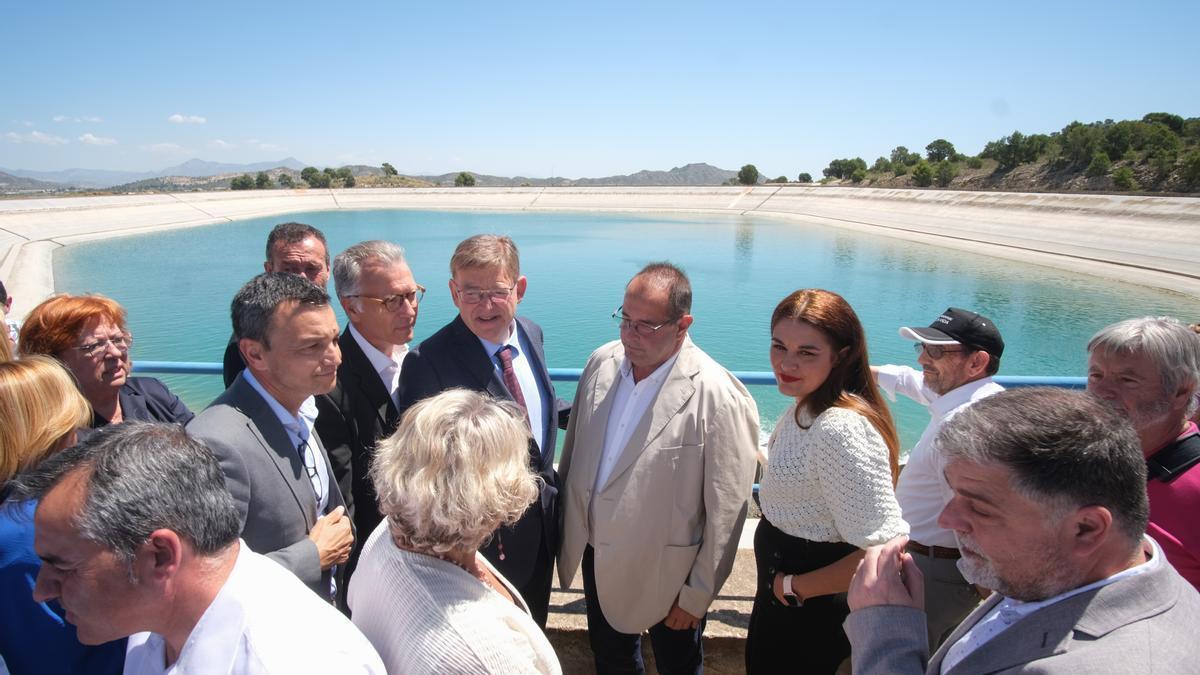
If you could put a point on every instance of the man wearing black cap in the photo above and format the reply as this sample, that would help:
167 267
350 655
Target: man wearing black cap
958 353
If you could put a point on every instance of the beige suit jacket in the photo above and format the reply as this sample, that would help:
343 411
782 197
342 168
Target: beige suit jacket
667 521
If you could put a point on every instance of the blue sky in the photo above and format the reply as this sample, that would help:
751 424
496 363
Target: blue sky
571 89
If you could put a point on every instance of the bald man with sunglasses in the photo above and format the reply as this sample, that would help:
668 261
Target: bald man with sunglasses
958 353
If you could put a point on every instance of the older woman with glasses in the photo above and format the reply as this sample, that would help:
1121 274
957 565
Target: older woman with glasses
40 411
828 490
455 471
89 335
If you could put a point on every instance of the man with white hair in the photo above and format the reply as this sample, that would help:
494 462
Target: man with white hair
380 297
139 537
1149 370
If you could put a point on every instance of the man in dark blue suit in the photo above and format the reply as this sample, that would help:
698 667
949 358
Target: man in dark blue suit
488 348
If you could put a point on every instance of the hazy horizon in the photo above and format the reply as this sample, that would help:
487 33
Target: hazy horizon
553 89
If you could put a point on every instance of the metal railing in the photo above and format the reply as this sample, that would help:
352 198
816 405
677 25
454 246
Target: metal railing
572 374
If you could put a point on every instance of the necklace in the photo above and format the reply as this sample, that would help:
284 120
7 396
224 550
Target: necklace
477 572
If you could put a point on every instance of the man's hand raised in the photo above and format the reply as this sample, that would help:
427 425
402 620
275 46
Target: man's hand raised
333 537
887 575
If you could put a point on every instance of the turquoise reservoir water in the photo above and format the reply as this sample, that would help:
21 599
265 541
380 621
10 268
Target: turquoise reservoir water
177 286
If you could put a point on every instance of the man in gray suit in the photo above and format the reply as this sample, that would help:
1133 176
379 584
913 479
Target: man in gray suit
261 428
1050 510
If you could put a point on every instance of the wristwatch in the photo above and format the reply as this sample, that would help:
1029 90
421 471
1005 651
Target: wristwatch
789 593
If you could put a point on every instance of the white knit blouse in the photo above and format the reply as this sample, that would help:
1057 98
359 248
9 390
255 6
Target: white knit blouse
425 615
831 481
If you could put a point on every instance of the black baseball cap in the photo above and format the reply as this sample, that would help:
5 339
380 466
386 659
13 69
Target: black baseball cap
959 326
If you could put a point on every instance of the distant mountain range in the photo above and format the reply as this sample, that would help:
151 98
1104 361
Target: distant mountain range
10 183
104 178
689 174
196 174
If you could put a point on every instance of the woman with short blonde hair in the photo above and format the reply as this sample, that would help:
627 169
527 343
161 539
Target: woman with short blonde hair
455 470
40 411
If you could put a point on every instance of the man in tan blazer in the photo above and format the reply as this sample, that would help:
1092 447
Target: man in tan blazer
656 474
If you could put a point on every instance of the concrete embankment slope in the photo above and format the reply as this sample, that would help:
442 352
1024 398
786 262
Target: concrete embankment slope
1154 241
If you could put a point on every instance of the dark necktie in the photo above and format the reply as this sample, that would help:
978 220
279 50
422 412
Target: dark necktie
510 377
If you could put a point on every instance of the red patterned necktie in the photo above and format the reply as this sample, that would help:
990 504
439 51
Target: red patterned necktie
510 377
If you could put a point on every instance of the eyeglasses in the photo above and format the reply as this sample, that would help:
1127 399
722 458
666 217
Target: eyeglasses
121 342
935 352
308 456
392 302
473 296
643 328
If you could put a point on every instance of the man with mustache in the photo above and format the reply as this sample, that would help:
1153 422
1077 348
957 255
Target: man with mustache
1049 506
959 352
1149 370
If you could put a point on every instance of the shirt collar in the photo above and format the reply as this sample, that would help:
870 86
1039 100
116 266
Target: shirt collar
657 376
297 424
963 394
512 341
1011 609
379 361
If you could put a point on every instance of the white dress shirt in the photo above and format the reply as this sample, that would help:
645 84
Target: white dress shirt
263 620
922 489
387 366
631 400
523 369
1009 611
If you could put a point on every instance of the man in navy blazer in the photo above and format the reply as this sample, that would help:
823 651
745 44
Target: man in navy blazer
488 348
1050 510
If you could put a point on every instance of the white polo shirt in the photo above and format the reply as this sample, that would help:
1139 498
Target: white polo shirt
922 489
263 620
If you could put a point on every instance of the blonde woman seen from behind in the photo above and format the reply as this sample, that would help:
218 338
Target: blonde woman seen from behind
40 412
455 470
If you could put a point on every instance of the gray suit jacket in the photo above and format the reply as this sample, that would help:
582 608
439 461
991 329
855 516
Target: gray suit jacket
267 479
1142 624
666 523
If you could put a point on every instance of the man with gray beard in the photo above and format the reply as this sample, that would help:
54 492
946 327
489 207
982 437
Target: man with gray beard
1049 506
1149 370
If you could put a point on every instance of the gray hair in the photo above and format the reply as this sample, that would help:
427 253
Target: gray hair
294 233
1173 347
256 302
487 250
455 470
1066 449
679 288
142 477
347 266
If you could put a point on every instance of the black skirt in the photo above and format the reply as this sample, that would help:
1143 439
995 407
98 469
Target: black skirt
805 639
